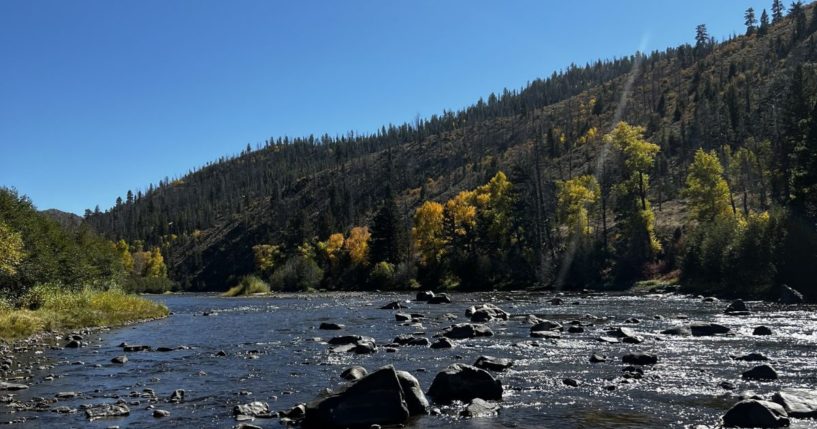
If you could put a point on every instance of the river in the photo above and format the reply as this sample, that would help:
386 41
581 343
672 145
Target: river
274 354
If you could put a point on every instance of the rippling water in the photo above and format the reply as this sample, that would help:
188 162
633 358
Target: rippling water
293 365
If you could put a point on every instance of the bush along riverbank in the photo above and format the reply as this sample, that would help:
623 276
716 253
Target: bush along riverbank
50 308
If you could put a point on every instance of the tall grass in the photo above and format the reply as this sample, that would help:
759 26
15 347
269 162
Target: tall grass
247 286
49 308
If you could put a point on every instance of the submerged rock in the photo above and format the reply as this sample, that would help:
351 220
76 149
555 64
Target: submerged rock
120 359
760 373
12 386
467 330
394 305
106 410
442 343
384 397
639 359
480 408
554 335
595 358
464 383
331 326
493 364
546 325
751 357
161 413
752 413
798 403
410 340
697 329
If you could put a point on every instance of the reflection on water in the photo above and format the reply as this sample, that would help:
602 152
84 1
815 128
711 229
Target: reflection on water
274 354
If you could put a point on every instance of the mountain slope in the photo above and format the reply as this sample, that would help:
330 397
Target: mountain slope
710 96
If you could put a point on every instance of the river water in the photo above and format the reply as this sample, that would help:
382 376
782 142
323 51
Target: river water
274 354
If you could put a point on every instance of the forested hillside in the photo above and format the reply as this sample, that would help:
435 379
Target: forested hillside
585 200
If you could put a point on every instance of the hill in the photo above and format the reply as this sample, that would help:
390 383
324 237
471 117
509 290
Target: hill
725 96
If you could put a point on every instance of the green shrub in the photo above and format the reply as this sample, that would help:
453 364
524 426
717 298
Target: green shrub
248 285
298 273
382 276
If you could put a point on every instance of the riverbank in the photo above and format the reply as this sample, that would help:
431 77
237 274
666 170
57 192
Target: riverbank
50 309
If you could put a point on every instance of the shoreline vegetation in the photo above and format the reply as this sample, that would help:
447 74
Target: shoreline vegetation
50 309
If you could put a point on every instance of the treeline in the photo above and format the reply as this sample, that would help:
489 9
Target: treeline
721 96
36 250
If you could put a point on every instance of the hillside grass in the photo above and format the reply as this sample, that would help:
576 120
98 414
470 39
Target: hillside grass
47 308
249 285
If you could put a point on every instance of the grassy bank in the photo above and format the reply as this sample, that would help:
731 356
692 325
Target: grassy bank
249 285
51 309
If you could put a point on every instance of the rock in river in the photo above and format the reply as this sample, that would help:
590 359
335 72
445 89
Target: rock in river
485 313
12 386
752 413
253 409
790 296
384 397
639 359
120 359
464 383
760 373
798 403
354 373
762 330
697 329
480 408
330 326
493 364
467 330
442 343
424 295
751 357
106 410
394 305
737 308
546 325
439 299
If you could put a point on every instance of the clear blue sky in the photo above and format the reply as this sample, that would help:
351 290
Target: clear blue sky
98 97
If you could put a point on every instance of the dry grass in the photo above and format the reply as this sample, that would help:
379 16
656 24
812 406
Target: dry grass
52 309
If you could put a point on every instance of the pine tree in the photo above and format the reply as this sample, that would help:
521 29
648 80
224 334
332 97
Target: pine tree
764 23
388 241
701 36
750 21
777 10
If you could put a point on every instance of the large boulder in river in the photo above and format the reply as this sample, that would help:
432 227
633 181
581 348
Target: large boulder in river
753 413
790 296
384 397
762 330
461 382
440 298
12 386
424 295
798 403
737 308
546 325
467 330
493 363
760 373
697 329
486 312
